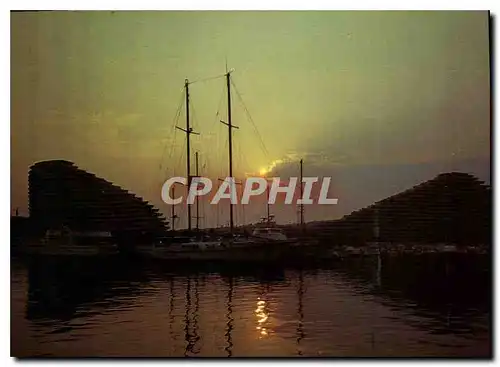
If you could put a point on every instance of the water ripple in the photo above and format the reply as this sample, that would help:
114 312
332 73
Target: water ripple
346 310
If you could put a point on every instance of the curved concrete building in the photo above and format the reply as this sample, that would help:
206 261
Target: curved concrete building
60 193
451 208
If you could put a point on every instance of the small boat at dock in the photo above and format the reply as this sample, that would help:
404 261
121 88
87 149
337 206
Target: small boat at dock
271 235
65 242
236 248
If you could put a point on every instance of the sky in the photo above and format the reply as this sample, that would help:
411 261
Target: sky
379 101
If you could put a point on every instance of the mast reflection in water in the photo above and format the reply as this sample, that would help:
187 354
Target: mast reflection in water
371 307
230 320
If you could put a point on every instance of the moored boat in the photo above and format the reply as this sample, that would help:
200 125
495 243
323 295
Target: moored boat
229 249
65 242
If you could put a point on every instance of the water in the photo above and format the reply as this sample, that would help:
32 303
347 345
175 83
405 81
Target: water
375 307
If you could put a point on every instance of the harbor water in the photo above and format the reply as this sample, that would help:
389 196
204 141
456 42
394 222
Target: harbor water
413 306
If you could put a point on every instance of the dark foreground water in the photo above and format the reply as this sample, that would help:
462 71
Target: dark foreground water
413 306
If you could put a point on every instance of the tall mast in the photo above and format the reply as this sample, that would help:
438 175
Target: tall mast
228 79
268 209
173 216
230 127
301 194
188 132
188 150
217 211
197 198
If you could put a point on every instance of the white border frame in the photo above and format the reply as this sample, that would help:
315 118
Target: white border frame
201 5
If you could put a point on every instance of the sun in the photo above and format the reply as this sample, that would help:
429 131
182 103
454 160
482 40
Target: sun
270 168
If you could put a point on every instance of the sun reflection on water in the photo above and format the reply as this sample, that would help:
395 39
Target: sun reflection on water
262 316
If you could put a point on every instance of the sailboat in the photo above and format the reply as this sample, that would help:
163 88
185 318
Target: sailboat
176 245
267 234
230 248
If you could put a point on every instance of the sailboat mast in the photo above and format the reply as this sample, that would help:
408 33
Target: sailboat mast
197 198
301 194
188 131
268 209
173 217
217 212
230 126
188 157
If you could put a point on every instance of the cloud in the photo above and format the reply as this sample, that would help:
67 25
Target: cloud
360 185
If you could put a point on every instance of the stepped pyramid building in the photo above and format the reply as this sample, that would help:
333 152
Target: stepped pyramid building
451 208
60 194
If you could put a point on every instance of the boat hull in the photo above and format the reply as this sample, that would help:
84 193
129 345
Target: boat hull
237 252
68 249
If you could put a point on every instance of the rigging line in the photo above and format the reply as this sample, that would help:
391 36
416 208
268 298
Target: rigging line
172 143
207 79
174 123
218 107
266 152
175 119
212 131
193 110
171 154
181 155
196 126
244 160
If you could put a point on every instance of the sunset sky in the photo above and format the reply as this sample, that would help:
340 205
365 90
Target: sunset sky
380 101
